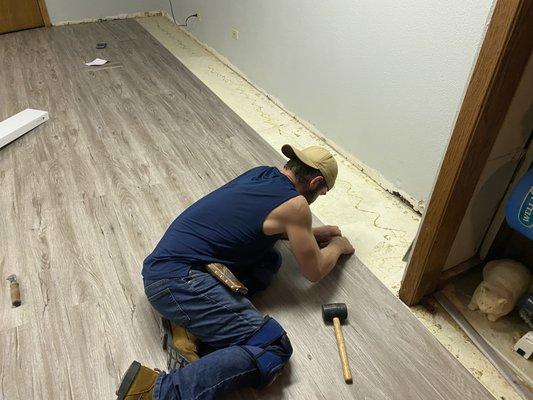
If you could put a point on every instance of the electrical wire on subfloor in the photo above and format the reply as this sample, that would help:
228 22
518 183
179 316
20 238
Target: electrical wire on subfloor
174 18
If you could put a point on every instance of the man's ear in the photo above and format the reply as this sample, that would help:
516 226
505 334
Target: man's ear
317 182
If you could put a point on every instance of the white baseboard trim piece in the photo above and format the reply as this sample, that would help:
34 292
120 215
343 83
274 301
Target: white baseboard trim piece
19 124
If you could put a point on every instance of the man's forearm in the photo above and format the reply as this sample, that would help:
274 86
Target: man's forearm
329 257
284 236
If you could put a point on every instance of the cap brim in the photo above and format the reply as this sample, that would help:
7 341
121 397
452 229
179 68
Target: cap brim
288 151
292 153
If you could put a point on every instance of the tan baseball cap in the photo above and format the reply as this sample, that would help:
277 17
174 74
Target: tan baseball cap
316 157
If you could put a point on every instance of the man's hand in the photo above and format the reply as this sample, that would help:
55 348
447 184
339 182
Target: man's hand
343 244
324 234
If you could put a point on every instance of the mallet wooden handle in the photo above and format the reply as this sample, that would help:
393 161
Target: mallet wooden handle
342 350
15 294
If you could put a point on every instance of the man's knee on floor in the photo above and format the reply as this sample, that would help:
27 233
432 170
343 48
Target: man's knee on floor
270 348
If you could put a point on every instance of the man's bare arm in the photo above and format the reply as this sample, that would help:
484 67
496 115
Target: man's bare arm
315 263
322 234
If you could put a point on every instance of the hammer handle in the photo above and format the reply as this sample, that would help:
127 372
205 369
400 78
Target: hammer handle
15 294
342 351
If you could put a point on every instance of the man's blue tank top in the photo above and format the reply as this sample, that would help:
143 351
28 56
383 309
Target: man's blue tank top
226 226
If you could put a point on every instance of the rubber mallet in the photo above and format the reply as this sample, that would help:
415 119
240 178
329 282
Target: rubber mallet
337 312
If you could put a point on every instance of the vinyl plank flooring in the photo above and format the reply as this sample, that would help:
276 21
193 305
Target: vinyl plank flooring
86 196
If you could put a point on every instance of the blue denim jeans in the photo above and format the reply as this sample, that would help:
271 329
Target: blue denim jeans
217 317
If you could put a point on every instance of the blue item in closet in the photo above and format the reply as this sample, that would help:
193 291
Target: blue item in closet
519 211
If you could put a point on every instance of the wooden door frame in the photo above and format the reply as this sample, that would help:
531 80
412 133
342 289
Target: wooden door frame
44 13
502 58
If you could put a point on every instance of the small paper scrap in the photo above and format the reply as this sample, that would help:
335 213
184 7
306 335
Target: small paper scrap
96 61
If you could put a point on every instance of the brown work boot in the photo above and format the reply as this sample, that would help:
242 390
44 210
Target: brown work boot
181 346
137 383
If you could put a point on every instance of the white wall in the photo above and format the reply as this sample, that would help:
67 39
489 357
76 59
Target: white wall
383 79
77 10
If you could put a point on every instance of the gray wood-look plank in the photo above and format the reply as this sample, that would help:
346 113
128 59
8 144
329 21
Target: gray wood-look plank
85 197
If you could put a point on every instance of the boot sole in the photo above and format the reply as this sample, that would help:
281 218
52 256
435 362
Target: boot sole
127 380
175 359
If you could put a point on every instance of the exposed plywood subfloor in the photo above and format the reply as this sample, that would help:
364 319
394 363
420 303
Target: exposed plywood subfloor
85 197
380 225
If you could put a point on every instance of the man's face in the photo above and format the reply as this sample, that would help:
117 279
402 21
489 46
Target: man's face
316 187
